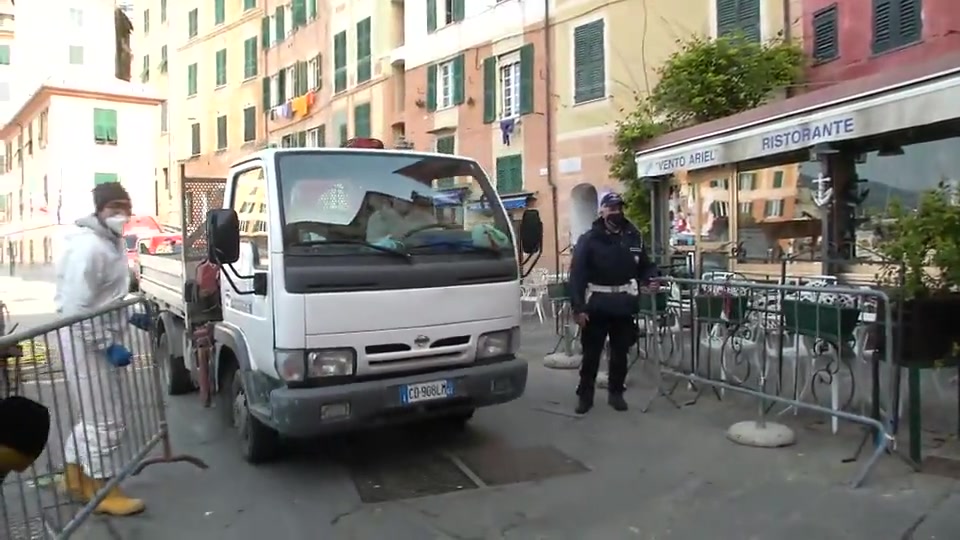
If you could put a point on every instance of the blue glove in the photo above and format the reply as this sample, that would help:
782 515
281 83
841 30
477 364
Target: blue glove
141 321
118 355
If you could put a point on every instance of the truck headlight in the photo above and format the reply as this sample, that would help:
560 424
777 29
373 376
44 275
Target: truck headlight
331 363
290 365
499 343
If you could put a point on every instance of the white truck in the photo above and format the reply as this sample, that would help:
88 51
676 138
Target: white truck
352 293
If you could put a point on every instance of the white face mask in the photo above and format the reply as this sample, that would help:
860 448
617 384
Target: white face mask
116 223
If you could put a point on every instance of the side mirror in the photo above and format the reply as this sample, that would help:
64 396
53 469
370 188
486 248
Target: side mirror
531 232
223 236
144 249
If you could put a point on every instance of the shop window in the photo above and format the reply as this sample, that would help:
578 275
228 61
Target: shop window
747 181
825 34
896 23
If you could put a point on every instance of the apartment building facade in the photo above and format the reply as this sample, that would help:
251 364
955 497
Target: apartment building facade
474 85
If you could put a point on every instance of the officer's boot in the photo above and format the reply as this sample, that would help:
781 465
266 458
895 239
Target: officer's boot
584 402
615 399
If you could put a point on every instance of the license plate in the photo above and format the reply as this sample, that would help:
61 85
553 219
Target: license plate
413 393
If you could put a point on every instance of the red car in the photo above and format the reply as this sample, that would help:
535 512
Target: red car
144 233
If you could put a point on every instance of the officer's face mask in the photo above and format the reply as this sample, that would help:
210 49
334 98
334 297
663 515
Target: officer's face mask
615 220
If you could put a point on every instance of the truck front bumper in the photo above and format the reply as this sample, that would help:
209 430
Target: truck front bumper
309 412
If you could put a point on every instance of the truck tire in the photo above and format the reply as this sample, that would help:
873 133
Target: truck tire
258 443
177 376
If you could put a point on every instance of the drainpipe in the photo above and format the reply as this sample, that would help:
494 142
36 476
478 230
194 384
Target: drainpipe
787 35
548 49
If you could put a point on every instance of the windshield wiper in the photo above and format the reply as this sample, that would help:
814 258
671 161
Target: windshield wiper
382 249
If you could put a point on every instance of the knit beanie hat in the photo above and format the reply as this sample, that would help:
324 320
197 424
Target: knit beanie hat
106 193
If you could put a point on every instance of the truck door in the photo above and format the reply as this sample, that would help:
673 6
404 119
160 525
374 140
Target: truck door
251 313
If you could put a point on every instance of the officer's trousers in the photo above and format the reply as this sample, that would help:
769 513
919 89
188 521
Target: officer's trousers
622 332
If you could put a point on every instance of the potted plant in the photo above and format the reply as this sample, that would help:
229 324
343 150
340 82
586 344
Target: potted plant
922 248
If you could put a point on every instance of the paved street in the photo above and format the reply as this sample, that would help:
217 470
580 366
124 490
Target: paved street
530 470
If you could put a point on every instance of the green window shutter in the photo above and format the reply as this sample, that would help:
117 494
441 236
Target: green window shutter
363 51
99 129
221 76
777 179
825 34
295 83
431 16
281 85
526 78
361 120
748 19
319 69
195 139
221 132
163 10
192 80
340 62
432 87
298 11
5 55
509 174
446 145
146 21
192 24
726 17
249 4
322 135
589 62
281 27
896 23
458 11
249 124
145 72
342 132
105 178
250 58
910 20
266 93
163 59
265 32
301 139
458 80
219 13
311 9
489 89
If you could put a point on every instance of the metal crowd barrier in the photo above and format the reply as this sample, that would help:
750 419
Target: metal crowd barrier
106 417
811 348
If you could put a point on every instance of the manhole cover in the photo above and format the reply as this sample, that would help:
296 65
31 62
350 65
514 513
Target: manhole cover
500 465
941 466
383 478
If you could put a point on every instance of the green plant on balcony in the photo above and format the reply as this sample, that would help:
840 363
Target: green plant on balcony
705 79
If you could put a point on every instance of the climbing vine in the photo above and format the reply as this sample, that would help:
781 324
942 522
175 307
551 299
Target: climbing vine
703 80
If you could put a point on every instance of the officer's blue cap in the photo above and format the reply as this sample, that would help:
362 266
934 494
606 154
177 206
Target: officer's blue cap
611 199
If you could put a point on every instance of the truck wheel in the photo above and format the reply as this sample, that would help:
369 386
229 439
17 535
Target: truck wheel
176 374
258 443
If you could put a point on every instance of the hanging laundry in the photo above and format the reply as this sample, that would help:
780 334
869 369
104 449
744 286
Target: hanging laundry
299 106
311 99
506 129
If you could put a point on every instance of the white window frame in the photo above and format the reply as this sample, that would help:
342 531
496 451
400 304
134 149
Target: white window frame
288 20
746 207
312 74
313 137
275 91
445 85
773 208
447 8
508 85
289 90
752 176
274 35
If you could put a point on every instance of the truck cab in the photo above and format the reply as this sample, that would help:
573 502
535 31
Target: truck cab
354 293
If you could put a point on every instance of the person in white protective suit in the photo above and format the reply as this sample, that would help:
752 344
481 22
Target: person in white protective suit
92 273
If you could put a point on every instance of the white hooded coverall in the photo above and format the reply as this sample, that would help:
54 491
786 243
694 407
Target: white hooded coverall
92 273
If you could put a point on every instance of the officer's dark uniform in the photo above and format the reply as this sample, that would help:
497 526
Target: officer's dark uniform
611 265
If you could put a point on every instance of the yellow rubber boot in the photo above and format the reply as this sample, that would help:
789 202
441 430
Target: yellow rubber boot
116 503
76 484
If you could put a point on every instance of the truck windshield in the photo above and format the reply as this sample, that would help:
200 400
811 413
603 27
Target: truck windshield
364 201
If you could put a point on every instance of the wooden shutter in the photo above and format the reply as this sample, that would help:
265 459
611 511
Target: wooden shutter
910 21
363 51
883 38
726 17
526 78
431 16
221 132
589 62
458 10
265 32
278 14
266 93
361 120
748 19
432 87
489 90
825 34
458 80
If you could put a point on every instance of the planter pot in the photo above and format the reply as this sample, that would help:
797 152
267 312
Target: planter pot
929 333
831 323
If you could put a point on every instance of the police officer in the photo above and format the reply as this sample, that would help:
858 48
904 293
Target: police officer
609 267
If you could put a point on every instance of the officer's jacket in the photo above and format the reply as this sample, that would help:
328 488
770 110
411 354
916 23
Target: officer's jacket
608 259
